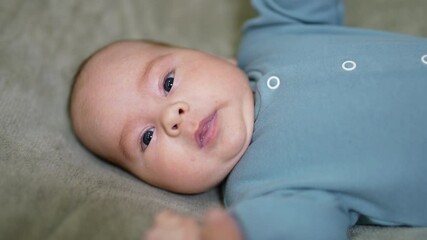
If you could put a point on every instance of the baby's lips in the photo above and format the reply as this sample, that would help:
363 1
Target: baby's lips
205 130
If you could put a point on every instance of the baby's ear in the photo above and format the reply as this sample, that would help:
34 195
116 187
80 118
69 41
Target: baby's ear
232 61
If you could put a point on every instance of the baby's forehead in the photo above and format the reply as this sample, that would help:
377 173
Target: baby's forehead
123 50
116 57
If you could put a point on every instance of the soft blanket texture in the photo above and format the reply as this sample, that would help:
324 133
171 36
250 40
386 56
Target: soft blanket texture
50 186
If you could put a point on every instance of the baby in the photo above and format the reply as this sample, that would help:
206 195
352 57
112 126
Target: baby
329 131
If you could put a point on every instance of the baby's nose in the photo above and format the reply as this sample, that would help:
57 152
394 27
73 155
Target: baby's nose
172 117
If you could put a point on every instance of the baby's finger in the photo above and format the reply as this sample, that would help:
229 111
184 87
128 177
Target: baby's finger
166 217
172 226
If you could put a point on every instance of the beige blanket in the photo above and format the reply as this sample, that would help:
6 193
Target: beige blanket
50 186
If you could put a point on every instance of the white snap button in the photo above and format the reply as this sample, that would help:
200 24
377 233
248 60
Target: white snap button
273 82
349 65
424 59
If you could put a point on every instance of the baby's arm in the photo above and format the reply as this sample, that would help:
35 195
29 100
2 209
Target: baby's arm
272 12
217 224
294 216
278 17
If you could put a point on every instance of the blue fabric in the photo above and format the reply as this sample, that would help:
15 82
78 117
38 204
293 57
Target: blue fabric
340 128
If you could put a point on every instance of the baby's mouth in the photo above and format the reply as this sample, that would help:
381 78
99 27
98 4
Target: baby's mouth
206 130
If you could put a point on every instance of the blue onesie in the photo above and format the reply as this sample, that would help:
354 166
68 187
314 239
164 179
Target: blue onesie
340 125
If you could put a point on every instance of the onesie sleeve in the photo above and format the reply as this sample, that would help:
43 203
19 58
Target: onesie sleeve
273 12
277 19
294 216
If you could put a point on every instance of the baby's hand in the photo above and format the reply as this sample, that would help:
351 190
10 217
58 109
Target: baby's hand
217 225
169 225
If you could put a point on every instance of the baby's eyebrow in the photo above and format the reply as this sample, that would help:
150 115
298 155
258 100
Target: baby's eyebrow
150 66
124 141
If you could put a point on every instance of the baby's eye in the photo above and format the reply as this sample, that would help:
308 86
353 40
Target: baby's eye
146 137
168 82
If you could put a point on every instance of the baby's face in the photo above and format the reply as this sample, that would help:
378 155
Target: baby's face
176 118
